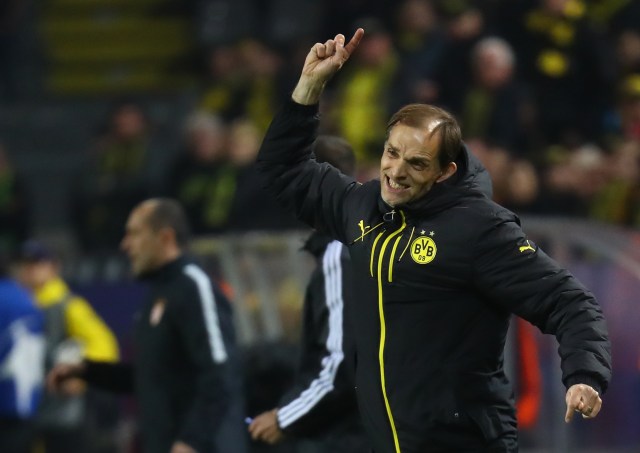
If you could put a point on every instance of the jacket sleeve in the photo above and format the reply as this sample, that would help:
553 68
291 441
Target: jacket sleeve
114 377
198 325
316 193
323 391
85 326
513 272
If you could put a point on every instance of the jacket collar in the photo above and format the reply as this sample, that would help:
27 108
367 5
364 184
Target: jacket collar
471 178
165 271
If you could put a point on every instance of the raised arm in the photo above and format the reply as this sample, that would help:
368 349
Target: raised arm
322 62
315 193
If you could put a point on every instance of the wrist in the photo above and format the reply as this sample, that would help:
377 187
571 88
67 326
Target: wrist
307 92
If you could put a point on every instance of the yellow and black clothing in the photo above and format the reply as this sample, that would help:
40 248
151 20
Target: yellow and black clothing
566 61
437 281
72 331
206 190
81 323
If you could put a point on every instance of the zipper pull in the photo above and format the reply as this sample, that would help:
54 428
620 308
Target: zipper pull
388 216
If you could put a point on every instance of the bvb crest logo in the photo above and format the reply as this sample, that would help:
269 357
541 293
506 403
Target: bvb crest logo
423 250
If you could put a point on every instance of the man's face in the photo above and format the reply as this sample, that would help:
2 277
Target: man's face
34 274
409 166
141 243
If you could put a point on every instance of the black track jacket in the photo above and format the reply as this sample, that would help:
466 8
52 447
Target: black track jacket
437 281
322 403
182 337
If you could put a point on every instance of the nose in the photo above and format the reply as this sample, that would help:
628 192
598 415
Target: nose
397 170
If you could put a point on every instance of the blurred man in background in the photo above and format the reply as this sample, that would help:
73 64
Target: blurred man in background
183 341
73 331
321 408
21 365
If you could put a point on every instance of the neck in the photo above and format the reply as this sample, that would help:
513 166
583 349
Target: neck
171 254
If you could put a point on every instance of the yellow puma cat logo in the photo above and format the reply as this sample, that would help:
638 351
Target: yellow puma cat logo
527 247
365 229
362 226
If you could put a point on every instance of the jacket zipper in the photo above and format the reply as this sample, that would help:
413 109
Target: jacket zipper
383 330
395 246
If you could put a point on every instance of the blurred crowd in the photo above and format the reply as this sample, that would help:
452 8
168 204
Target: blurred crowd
547 93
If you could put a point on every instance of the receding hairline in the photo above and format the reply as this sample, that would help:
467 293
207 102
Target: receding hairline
437 122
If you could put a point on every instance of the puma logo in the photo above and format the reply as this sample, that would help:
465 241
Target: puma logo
527 247
362 226
365 229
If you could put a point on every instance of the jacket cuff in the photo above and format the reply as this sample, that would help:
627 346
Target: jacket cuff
292 106
90 370
585 379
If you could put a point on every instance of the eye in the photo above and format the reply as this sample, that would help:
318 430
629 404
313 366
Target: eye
392 152
419 166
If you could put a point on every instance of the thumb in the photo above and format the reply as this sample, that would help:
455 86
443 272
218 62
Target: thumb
569 414
570 407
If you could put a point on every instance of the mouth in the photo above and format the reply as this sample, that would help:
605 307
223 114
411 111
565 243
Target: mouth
394 186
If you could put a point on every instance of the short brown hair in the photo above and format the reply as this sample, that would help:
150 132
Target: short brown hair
420 115
169 213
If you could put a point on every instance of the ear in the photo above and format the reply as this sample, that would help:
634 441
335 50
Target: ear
448 171
167 235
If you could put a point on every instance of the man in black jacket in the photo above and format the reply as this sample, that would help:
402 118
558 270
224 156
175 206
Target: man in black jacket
182 338
439 268
321 410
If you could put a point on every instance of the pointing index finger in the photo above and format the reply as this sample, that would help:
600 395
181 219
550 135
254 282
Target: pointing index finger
355 41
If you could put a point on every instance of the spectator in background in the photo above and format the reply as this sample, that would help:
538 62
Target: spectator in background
612 17
73 331
465 25
225 82
22 348
515 180
11 11
571 177
566 62
14 216
116 178
201 178
420 41
244 81
320 409
629 109
627 45
493 106
183 374
264 70
362 97
618 199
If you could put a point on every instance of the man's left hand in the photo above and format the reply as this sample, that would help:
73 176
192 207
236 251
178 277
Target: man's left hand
181 447
584 399
265 428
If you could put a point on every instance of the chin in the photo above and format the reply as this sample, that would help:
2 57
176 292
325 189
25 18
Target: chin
385 198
